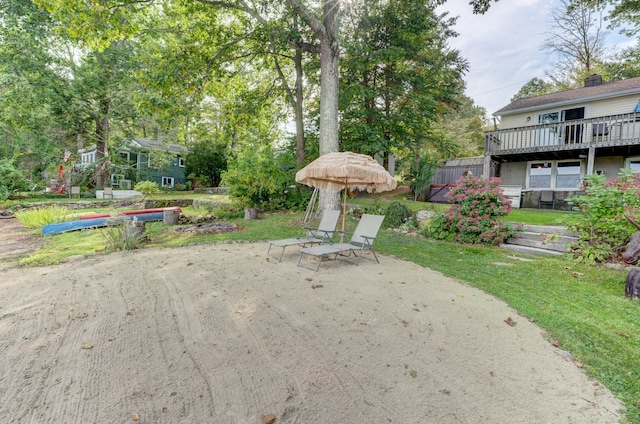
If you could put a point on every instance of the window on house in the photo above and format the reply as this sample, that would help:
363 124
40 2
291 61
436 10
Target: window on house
167 181
540 175
181 162
633 164
555 174
89 157
568 174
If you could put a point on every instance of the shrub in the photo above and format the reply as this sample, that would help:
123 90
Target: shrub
397 215
117 238
603 229
39 217
147 188
256 180
208 205
11 179
474 217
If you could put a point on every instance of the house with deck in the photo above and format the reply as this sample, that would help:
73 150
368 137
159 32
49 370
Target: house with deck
139 160
547 144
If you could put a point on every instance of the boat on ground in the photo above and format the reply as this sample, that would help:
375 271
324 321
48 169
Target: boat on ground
85 224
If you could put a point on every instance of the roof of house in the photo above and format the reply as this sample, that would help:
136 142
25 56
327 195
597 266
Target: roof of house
148 143
474 160
577 95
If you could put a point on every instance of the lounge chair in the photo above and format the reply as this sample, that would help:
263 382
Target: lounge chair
322 234
361 241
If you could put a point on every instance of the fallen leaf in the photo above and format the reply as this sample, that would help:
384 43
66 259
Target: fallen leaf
309 279
578 364
556 343
415 309
510 322
267 419
87 346
576 274
135 417
623 334
268 259
491 373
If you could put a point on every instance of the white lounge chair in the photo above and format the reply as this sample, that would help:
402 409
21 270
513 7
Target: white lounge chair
322 234
361 241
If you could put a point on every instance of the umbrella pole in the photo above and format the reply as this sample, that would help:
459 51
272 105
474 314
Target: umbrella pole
344 208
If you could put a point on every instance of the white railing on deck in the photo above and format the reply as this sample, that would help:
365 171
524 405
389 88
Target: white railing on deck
580 133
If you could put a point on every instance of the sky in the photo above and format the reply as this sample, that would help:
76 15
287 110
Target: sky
503 47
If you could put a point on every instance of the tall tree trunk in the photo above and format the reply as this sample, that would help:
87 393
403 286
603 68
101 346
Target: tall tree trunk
102 143
298 109
326 32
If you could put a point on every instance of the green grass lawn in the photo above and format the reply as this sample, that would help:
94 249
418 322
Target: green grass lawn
582 308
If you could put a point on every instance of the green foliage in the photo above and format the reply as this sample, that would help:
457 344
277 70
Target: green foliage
437 227
603 229
206 160
117 238
228 212
39 217
375 209
208 205
397 76
256 180
474 217
534 87
147 188
422 171
397 215
11 179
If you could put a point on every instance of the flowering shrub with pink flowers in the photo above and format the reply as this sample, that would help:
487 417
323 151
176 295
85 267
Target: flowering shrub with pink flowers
474 217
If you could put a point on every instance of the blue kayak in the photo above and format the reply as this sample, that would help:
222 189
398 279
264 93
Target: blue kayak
85 224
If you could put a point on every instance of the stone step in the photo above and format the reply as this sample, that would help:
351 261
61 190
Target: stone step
540 241
549 229
530 250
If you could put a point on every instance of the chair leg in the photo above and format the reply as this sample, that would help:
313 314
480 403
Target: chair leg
276 257
300 263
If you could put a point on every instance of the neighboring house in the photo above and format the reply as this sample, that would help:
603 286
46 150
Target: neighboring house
139 165
547 144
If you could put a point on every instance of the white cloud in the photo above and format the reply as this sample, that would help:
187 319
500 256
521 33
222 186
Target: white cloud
503 46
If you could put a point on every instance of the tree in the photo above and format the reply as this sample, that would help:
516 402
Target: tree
206 159
399 76
577 38
109 20
625 64
464 128
534 87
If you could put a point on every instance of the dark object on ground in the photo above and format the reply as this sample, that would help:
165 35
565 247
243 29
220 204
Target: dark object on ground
209 228
632 288
632 254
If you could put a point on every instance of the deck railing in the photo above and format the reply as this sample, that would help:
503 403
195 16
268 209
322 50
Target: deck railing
614 130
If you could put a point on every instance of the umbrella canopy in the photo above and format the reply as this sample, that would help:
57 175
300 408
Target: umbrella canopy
344 170
336 171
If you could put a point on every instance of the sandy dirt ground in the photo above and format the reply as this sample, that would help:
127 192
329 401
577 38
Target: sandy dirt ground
222 333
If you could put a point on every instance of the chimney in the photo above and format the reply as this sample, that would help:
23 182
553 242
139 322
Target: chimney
593 80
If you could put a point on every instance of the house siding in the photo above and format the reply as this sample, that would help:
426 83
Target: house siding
617 106
514 173
610 166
